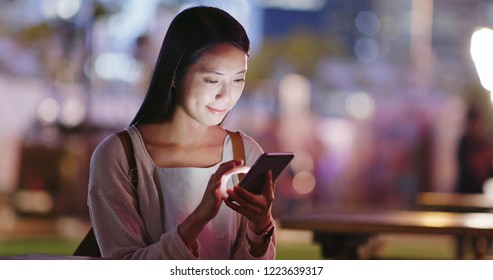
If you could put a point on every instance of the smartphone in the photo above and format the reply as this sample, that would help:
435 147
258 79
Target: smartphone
254 179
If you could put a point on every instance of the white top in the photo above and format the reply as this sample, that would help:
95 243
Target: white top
183 189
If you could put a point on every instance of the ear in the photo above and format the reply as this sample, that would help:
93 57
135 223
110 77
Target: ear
173 83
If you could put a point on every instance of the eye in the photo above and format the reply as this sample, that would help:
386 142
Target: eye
207 81
239 80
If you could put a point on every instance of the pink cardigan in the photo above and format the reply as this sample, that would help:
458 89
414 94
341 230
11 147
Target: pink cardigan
127 222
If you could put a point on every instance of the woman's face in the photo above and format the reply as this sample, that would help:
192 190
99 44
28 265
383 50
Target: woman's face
213 85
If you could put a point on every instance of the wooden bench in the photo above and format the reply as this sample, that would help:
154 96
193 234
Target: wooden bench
342 232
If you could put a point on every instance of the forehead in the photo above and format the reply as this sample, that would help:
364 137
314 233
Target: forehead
223 56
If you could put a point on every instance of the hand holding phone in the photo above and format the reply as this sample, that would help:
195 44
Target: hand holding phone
254 180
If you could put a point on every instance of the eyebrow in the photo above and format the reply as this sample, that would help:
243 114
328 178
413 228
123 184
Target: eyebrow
221 73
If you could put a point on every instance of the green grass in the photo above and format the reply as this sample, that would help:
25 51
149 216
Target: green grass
287 251
395 249
398 246
58 246
413 252
23 246
408 246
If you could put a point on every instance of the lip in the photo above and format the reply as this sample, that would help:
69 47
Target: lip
216 111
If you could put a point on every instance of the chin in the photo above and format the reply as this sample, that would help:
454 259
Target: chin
214 122
218 123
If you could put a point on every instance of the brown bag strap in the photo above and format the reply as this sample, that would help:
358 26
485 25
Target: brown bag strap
129 151
238 148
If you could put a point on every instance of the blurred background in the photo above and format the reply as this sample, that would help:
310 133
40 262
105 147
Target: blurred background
372 95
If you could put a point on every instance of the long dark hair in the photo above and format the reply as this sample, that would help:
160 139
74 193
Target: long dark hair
190 34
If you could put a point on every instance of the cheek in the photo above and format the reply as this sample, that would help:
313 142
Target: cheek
198 93
238 91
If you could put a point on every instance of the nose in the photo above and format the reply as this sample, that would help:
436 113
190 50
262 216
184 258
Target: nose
224 93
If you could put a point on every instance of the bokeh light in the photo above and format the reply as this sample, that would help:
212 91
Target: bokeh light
304 182
72 113
360 105
294 94
482 55
367 50
48 111
117 66
302 161
367 23
65 9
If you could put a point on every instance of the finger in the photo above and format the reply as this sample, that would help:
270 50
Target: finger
214 187
243 193
237 170
233 197
213 182
224 167
233 205
238 208
268 191
249 201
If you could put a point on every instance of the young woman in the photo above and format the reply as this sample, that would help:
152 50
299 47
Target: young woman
184 206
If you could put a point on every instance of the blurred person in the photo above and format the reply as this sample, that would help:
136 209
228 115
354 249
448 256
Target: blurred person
184 207
474 154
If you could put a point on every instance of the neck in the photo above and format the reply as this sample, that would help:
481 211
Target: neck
179 134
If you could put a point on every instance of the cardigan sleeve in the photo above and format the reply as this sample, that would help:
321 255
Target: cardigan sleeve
113 207
242 249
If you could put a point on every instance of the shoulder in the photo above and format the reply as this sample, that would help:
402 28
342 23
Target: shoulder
111 144
109 150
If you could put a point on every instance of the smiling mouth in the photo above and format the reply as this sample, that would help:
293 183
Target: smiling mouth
216 111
